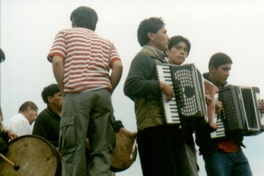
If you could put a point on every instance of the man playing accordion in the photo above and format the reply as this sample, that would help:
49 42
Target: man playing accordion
222 156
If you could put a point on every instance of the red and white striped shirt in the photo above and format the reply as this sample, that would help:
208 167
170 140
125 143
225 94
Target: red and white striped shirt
87 59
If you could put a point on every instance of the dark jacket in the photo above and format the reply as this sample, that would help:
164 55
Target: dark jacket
203 138
143 88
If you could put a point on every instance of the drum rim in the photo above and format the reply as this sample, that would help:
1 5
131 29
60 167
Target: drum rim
52 147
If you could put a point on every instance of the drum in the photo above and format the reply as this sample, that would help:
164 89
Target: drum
34 155
124 154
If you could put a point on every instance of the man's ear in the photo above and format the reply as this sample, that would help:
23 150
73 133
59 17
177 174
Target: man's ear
73 23
211 68
151 36
167 52
49 99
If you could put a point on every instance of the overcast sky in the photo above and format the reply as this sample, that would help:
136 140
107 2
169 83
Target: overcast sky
28 29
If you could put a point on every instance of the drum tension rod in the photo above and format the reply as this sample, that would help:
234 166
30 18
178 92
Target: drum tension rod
15 167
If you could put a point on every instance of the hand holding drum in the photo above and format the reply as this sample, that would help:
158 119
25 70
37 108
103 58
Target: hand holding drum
125 152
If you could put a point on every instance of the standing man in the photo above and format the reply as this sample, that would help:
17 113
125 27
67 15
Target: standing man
81 62
21 123
47 123
159 145
178 50
5 134
223 156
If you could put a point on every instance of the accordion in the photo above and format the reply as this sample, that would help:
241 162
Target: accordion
212 90
188 106
240 113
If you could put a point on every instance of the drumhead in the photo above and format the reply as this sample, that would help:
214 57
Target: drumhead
34 155
121 160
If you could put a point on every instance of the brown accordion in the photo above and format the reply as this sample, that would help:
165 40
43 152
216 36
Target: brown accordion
240 113
188 106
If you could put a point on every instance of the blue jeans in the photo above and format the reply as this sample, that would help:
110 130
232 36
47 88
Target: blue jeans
220 163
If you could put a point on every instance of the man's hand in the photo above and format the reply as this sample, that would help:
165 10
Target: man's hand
218 107
261 105
132 135
166 90
11 135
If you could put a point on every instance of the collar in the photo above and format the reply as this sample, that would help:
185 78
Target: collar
52 113
206 76
154 52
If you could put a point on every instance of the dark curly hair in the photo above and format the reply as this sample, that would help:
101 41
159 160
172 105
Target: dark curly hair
152 25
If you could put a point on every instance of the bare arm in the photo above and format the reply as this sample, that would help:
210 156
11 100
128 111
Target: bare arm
116 74
132 135
58 70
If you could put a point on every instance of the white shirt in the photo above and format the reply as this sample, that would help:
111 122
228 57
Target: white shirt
19 125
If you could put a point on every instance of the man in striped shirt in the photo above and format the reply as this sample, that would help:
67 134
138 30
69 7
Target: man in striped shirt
81 62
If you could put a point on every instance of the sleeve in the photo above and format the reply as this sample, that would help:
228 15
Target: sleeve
13 127
140 82
38 128
117 125
19 127
114 56
59 47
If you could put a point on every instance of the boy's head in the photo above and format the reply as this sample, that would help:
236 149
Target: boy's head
178 49
219 68
85 17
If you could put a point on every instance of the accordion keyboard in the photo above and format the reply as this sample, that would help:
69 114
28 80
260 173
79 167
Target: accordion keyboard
220 130
170 107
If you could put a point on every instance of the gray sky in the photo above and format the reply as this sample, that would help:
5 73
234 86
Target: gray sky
28 28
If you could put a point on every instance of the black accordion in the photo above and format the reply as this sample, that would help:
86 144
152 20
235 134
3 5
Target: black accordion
240 113
188 106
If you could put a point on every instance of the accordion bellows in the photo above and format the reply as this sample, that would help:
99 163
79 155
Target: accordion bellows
241 112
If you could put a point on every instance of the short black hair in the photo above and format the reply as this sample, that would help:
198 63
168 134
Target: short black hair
152 25
49 91
2 55
85 17
219 59
176 39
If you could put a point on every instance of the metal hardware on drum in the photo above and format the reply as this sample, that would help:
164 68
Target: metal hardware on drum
15 167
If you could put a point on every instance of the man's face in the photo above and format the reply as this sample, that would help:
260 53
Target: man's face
220 75
178 53
57 100
31 115
160 40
